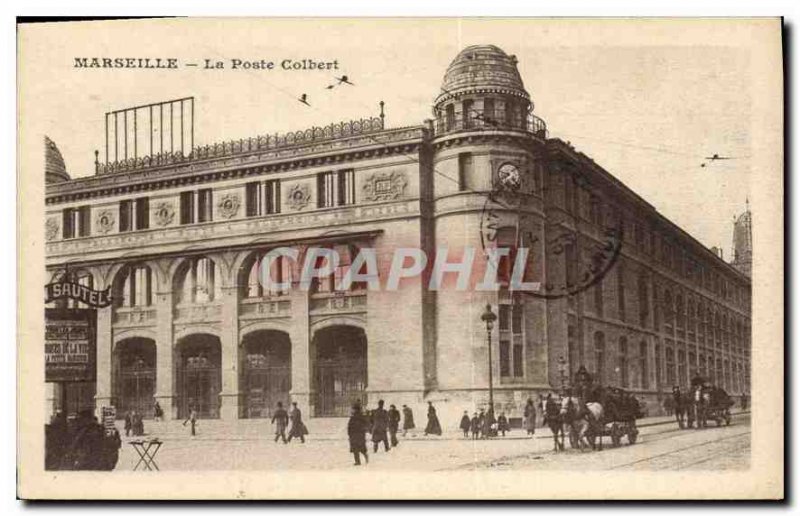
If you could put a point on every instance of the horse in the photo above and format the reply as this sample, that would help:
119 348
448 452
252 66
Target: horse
553 419
581 421
701 401
684 408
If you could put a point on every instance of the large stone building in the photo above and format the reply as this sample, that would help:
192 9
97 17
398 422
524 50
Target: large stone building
178 238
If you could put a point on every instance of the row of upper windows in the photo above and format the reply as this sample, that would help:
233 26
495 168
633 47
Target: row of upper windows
579 200
261 198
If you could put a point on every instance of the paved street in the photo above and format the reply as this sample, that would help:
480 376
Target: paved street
250 447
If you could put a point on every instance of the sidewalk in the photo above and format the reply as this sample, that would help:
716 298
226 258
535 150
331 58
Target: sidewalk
320 429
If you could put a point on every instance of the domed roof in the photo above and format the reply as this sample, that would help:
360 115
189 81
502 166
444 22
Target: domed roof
55 171
480 67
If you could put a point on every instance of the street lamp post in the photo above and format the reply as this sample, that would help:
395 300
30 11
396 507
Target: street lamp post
489 318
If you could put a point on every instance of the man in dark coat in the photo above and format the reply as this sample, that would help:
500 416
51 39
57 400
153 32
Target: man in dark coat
128 423
394 424
408 420
298 427
465 424
433 427
281 419
502 424
356 433
475 426
380 424
482 424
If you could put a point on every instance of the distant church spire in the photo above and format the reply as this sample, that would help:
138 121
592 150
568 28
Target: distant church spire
743 241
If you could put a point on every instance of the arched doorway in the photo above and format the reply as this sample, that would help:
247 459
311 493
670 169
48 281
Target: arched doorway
340 369
134 382
198 375
266 372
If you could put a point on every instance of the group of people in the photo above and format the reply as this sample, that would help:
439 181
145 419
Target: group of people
483 424
134 423
281 419
383 425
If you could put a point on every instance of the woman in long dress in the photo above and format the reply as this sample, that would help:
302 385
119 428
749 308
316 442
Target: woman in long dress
433 427
530 417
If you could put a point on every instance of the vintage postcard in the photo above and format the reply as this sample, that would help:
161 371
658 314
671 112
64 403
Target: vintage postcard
431 258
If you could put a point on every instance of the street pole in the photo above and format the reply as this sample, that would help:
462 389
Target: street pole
491 386
488 317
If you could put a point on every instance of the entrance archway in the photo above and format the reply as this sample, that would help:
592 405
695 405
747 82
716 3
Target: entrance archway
198 373
266 372
340 369
134 370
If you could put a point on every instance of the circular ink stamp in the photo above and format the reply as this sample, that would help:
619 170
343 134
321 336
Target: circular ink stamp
590 259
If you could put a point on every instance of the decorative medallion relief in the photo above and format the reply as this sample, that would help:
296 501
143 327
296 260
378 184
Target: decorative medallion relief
385 186
51 227
299 196
105 221
228 206
164 214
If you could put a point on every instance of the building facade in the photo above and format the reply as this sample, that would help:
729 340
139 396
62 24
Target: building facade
179 238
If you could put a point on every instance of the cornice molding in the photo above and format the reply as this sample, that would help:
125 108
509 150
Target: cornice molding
330 152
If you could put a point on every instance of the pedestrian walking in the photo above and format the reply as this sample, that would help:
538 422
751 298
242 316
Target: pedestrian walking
433 427
356 433
529 417
193 420
475 426
482 424
394 424
488 424
380 425
408 419
280 418
465 424
502 424
298 428
158 412
128 423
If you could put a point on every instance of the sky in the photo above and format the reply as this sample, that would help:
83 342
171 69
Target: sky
646 101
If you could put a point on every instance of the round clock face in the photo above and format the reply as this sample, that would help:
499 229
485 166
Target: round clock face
509 176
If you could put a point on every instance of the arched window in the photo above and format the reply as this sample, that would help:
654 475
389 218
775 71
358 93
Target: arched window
280 272
599 357
346 254
644 381
643 302
82 278
200 281
133 286
670 360
623 361
598 298
667 308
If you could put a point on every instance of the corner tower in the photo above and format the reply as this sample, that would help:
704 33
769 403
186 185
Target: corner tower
486 139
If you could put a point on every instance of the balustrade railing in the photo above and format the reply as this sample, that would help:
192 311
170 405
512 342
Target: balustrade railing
490 120
247 145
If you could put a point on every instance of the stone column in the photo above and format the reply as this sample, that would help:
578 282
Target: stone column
300 336
105 344
165 382
229 340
